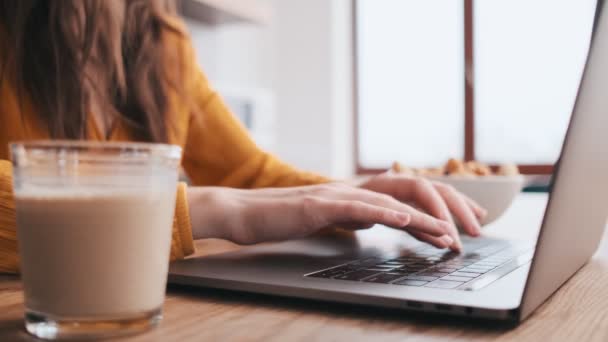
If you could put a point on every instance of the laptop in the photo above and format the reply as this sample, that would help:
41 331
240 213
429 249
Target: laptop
492 279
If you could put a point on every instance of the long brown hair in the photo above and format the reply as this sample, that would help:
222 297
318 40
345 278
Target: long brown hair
70 55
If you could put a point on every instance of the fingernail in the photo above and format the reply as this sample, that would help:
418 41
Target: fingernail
477 229
447 240
456 249
457 246
403 218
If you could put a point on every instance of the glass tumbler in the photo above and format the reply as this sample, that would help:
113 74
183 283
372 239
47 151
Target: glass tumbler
94 223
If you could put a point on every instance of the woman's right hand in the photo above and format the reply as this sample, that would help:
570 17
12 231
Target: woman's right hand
275 214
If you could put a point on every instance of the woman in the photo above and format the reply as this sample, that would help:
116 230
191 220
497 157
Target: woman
125 71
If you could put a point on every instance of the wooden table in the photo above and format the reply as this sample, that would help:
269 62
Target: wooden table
577 312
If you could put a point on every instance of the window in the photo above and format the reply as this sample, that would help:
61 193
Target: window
410 54
527 75
412 102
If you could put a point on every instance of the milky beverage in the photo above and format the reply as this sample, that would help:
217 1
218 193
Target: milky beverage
95 253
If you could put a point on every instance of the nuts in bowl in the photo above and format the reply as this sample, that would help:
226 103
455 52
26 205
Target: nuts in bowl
493 190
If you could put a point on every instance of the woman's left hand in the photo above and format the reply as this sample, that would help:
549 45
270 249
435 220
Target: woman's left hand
437 199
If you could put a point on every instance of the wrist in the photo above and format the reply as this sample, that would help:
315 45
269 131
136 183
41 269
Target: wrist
204 218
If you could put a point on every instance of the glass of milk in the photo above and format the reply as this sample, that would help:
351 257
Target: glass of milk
94 222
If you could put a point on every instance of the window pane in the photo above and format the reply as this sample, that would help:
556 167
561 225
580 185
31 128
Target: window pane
529 56
410 81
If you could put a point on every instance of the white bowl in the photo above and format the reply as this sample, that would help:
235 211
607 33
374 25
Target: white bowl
494 193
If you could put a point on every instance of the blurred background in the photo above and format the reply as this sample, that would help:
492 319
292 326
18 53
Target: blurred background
343 87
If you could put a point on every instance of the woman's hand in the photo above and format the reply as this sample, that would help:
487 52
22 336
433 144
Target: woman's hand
252 216
438 199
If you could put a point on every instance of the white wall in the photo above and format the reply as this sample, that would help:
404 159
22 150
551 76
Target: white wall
237 54
304 57
313 85
204 39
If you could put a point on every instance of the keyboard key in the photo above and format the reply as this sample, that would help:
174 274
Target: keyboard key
447 270
411 282
458 263
323 274
425 266
466 274
368 262
409 263
384 278
419 265
393 263
456 278
346 268
474 270
444 284
482 267
331 272
497 259
384 264
434 274
357 275
385 267
404 270
487 263
425 278
378 269
472 256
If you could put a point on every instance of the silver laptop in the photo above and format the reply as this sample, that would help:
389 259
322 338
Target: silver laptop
495 279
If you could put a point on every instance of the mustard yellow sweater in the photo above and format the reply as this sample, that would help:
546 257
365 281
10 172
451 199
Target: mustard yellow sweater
217 151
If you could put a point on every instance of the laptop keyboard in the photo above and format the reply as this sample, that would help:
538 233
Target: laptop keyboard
431 267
